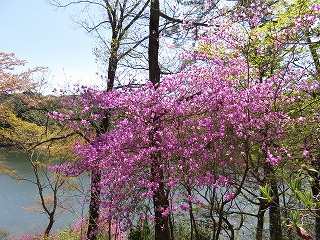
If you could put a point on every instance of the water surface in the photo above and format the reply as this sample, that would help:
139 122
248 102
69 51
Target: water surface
16 195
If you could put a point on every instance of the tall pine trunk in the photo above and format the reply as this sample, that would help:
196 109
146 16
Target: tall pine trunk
160 200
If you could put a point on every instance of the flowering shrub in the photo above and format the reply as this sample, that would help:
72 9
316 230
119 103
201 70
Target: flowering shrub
211 126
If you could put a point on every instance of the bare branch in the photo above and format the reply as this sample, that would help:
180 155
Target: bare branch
137 16
171 19
59 5
132 48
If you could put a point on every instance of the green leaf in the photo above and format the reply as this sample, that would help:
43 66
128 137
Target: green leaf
299 196
295 216
266 192
308 199
295 185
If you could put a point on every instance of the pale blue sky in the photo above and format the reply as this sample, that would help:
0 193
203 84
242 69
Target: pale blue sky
45 36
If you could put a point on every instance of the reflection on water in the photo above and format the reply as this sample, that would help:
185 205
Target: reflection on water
16 195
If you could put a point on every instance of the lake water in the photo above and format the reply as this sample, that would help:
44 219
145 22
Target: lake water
16 195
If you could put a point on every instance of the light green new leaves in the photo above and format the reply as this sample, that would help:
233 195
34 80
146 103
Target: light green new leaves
302 197
266 192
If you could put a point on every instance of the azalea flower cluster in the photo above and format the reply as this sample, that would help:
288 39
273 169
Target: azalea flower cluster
199 127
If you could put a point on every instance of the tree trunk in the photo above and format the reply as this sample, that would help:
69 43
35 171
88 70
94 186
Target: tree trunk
160 199
317 225
96 175
315 187
153 51
51 214
94 206
95 191
193 224
50 225
315 163
260 219
274 209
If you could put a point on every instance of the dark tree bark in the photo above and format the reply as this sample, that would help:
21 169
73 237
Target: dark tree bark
275 228
50 225
118 32
154 70
94 205
105 124
160 199
95 190
260 219
315 187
